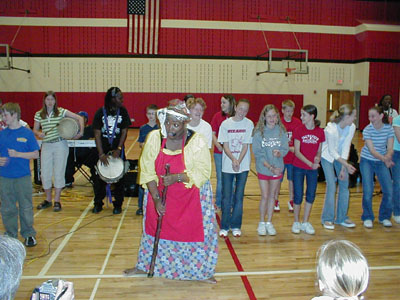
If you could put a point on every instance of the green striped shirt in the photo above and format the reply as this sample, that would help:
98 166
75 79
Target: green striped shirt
49 124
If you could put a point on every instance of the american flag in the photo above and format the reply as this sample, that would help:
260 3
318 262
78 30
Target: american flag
143 26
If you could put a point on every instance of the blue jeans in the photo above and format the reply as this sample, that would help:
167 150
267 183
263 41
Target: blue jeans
298 184
396 183
218 171
289 169
232 205
368 168
328 213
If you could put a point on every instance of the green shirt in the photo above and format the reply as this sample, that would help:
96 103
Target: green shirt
49 124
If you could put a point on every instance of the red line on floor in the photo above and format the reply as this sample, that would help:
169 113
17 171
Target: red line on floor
239 267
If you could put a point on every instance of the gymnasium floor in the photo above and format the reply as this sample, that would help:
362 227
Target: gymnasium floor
99 247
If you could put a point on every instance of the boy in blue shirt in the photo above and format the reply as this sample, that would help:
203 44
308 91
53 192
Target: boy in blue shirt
17 146
144 130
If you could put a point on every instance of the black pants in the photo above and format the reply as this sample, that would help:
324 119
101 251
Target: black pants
99 188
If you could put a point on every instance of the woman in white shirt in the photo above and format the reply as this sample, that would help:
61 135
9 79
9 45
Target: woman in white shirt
197 106
335 152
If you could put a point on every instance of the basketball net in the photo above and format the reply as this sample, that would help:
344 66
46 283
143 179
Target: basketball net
289 71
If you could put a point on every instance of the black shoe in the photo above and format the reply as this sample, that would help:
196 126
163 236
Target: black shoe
139 212
68 185
44 204
96 209
30 241
117 210
57 206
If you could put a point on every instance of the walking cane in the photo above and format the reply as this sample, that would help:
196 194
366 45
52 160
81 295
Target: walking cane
158 232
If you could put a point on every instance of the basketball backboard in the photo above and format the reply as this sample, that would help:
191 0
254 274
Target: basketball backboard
292 61
4 57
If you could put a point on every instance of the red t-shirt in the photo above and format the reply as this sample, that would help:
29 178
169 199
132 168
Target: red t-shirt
216 122
309 144
290 128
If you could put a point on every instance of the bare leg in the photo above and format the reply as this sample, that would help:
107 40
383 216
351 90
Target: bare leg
264 196
48 195
297 209
291 195
273 190
277 190
307 211
57 194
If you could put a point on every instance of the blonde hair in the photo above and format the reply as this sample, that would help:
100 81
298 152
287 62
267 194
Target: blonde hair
191 102
344 110
342 270
288 103
12 108
262 121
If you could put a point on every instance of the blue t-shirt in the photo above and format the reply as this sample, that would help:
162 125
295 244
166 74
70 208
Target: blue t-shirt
21 140
144 131
396 123
379 139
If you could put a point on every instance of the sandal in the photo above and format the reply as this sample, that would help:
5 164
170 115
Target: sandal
44 204
57 206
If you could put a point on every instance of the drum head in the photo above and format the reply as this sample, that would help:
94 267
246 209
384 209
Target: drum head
113 172
68 128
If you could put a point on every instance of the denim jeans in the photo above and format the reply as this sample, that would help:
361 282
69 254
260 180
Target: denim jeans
368 168
218 171
332 171
232 205
396 183
298 184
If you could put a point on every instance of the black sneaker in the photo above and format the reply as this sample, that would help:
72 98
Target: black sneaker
117 210
96 209
68 185
44 204
30 241
139 212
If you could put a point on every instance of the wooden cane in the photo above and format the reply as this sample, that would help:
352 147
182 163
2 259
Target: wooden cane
158 232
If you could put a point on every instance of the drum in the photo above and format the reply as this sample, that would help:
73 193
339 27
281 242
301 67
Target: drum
68 128
113 172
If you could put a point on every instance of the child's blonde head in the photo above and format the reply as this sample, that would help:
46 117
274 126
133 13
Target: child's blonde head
342 270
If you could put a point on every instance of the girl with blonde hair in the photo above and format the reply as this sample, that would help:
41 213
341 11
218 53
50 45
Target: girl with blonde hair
342 271
270 145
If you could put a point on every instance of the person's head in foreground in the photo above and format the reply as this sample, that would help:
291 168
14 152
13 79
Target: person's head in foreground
342 271
173 120
12 255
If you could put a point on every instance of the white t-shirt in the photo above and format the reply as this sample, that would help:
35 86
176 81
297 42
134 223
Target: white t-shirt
205 129
236 133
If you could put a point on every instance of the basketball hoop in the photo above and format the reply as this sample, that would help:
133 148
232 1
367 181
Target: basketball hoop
289 71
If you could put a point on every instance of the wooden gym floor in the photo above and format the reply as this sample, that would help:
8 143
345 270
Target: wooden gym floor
99 247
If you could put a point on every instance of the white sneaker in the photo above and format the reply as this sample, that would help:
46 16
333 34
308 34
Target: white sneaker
396 219
386 223
223 233
368 224
261 230
270 228
307 228
296 227
236 232
276 206
290 206
348 224
328 225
